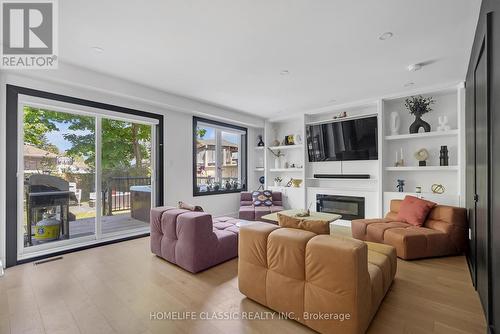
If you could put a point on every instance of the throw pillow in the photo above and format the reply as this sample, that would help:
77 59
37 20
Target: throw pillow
315 226
187 206
262 198
414 210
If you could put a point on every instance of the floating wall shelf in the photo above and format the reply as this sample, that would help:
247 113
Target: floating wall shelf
423 135
286 147
286 170
421 168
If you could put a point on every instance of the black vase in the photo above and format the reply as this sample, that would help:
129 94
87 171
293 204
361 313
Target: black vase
418 123
443 156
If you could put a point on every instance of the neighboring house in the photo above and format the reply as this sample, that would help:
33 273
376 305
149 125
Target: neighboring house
37 160
206 158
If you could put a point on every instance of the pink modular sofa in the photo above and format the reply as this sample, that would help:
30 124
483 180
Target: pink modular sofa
250 212
193 240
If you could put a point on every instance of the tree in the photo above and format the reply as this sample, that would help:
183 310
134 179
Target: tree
125 145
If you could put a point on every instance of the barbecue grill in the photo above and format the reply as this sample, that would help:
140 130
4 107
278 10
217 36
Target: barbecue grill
47 194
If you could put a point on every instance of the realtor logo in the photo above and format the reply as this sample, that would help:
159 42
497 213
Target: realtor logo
29 34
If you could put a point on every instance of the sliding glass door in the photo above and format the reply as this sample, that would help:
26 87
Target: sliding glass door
84 175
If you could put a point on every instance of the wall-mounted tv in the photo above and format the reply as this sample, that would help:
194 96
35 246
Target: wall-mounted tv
354 139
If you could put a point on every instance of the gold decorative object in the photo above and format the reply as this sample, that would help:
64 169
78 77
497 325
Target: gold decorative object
422 154
305 213
296 183
437 188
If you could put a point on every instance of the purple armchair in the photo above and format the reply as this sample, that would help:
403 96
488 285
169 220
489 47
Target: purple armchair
193 240
250 212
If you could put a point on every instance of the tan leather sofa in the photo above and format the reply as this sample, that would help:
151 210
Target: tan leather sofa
307 276
443 233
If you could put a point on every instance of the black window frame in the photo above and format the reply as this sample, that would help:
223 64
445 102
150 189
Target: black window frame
244 163
12 96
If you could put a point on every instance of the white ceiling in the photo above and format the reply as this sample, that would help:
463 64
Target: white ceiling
231 52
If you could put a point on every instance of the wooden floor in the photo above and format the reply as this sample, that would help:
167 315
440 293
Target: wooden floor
114 288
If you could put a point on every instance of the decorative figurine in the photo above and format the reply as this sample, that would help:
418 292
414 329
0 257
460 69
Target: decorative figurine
443 156
422 155
418 190
401 161
261 142
437 188
395 123
443 123
400 186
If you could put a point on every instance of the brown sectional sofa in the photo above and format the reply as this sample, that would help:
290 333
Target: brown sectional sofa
443 233
306 275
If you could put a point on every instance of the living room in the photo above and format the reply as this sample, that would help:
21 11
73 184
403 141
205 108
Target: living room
238 166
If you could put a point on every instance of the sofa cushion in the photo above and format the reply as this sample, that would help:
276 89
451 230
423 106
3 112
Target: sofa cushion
247 212
375 232
315 226
414 210
262 198
418 242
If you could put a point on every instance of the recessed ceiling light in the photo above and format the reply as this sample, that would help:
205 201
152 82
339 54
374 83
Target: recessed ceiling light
97 49
284 72
385 36
409 84
414 67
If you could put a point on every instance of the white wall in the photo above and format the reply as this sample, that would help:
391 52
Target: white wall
178 111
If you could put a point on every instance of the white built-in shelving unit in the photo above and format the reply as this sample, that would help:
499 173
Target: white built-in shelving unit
449 102
380 188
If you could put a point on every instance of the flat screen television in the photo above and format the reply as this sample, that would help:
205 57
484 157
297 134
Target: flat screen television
354 139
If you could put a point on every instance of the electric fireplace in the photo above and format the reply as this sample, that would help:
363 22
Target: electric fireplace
349 207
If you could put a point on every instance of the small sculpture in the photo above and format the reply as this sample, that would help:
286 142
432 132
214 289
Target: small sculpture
422 155
401 161
437 188
400 186
443 123
395 123
341 114
261 142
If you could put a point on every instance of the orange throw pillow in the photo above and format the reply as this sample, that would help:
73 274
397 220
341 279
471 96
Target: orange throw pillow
414 210
315 226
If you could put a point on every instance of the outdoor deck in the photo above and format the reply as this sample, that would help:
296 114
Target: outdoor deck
110 224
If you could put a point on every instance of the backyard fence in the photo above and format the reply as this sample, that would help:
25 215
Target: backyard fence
116 194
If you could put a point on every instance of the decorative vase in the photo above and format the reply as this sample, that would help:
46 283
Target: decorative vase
395 123
443 156
277 162
419 123
277 183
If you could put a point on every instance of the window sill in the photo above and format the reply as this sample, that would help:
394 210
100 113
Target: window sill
218 192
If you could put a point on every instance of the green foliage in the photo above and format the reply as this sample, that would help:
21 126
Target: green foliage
125 145
419 105
201 132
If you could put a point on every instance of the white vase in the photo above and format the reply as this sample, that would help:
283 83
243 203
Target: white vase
277 184
277 162
395 123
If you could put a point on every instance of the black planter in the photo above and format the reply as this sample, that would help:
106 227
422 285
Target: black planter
418 123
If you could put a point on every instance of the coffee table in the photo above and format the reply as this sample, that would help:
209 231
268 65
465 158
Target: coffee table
329 217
